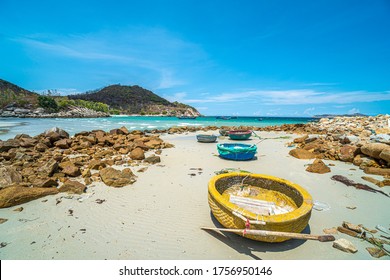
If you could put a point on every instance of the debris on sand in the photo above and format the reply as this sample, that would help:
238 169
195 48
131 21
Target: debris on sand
348 182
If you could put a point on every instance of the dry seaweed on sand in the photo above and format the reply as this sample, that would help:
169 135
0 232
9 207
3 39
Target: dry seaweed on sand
348 182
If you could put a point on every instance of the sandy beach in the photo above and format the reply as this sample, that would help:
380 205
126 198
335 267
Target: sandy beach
160 215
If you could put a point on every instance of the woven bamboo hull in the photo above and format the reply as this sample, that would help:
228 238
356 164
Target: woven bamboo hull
295 221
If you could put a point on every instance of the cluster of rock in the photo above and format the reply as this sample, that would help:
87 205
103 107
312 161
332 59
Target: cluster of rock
71 112
363 141
53 162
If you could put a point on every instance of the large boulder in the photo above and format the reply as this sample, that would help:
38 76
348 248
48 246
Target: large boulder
17 195
71 186
62 133
385 155
63 143
5 146
374 149
318 166
377 171
70 169
301 139
154 143
137 154
48 168
302 154
44 182
41 147
96 164
116 178
9 176
348 153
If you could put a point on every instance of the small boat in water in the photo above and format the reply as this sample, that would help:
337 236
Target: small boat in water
259 202
187 117
235 151
240 134
205 138
223 118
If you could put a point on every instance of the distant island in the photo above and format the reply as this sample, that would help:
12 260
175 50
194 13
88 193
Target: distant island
341 115
111 100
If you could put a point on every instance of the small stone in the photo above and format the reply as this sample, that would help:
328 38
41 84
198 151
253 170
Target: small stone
318 166
344 245
376 252
2 220
153 159
332 230
19 209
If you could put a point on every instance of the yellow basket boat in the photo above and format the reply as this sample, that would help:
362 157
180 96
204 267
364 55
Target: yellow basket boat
235 215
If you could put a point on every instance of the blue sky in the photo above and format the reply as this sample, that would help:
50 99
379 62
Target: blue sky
258 57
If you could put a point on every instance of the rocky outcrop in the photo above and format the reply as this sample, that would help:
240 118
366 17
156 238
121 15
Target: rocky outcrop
57 157
71 112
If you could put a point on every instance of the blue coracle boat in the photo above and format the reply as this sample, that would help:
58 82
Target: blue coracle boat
234 151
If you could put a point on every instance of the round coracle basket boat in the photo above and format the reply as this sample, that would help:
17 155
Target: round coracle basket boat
268 203
233 151
205 138
239 134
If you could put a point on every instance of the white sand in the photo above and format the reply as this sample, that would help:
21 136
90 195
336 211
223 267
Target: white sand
159 216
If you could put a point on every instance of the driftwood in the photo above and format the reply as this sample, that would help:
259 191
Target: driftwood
358 186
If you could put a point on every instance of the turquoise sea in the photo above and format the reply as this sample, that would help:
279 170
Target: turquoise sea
9 127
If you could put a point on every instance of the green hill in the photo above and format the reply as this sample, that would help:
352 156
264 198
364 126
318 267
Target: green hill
135 100
13 95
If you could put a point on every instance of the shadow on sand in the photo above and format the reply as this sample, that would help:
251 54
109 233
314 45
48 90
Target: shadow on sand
250 247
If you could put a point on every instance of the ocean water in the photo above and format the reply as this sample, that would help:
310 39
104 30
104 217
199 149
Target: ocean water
10 127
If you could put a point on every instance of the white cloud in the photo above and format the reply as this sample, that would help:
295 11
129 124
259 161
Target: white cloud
309 111
178 96
295 97
353 111
153 50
